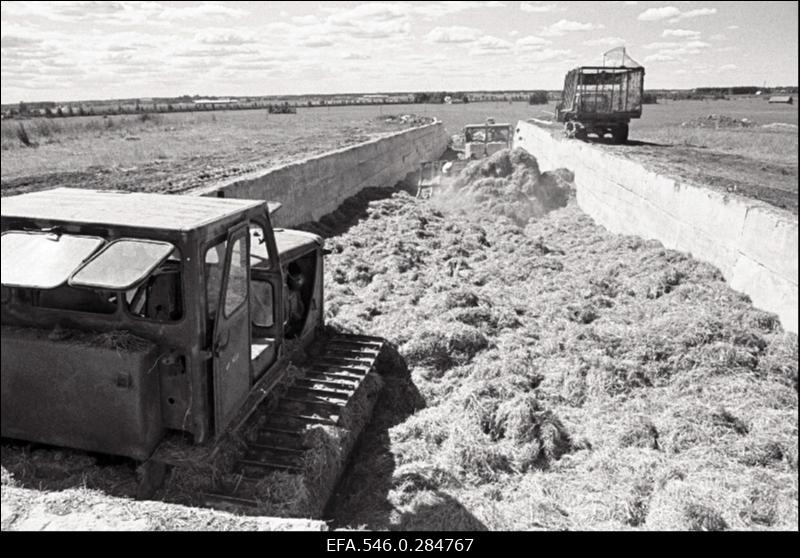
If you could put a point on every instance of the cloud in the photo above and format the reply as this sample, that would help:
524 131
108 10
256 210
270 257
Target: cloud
718 37
13 41
371 21
437 10
696 13
212 52
657 14
660 45
605 41
453 34
317 41
355 56
225 37
680 33
566 26
659 57
202 11
732 27
536 8
491 45
728 67
306 20
545 55
531 42
673 14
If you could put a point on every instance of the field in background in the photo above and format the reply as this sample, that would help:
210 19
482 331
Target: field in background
173 151
177 151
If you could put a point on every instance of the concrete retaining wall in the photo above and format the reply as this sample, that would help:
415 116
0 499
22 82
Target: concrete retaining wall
752 243
312 187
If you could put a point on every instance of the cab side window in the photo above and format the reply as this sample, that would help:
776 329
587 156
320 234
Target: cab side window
214 264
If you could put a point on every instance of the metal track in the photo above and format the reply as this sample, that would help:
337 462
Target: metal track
319 396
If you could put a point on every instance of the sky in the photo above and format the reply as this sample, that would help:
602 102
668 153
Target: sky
66 51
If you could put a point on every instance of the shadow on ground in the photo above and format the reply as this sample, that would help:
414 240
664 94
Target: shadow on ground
48 468
362 498
350 212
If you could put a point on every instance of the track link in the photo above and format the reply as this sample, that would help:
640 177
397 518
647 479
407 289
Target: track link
318 396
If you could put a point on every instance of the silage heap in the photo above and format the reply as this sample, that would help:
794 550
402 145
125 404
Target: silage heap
560 376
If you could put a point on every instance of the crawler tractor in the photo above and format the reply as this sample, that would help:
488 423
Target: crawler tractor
130 319
479 141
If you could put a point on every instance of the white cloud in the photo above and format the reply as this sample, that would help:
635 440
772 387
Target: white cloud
657 14
718 37
311 19
659 57
544 55
728 67
491 45
680 33
453 34
660 45
563 26
371 21
697 13
355 56
317 41
437 10
537 8
732 27
203 11
225 37
605 41
532 42
673 14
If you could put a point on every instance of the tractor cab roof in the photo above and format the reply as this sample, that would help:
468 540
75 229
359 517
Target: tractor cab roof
126 209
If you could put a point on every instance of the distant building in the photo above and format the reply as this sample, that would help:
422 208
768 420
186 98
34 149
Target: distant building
786 99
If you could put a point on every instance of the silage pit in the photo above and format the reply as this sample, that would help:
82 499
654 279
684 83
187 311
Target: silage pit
517 315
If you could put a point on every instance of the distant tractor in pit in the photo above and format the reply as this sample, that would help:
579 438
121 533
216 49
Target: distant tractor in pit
479 141
601 100
127 317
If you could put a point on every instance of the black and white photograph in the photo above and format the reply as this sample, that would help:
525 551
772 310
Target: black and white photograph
399 274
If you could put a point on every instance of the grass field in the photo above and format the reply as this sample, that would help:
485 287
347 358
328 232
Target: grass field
173 152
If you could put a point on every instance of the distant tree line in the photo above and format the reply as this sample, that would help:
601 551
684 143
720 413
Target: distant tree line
439 97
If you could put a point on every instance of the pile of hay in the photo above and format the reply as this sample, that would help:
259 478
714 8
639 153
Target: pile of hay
566 372
510 184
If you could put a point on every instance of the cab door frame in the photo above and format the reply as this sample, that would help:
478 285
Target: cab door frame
230 346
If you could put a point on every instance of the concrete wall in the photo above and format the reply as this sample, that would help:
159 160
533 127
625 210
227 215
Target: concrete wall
752 243
312 187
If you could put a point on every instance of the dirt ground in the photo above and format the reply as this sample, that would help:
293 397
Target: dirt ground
559 377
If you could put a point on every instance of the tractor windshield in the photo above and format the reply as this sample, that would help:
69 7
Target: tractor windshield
122 264
42 260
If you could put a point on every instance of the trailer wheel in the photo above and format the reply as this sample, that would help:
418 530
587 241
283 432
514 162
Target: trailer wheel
575 130
620 133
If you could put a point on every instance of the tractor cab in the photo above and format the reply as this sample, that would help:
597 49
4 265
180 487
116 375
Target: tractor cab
129 315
